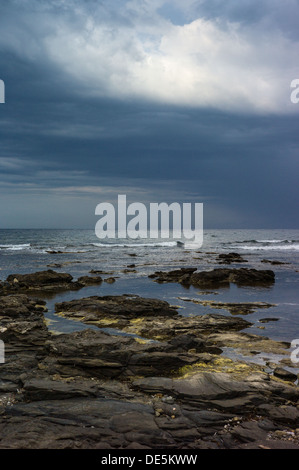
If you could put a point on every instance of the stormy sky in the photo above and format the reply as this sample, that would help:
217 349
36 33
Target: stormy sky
176 101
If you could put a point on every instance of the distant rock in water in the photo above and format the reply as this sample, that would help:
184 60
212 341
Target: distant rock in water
40 278
217 277
228 258
90 280
273 262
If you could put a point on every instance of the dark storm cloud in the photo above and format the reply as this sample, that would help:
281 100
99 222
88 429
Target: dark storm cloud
65 141
274 13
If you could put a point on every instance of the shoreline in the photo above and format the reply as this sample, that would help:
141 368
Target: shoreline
170 385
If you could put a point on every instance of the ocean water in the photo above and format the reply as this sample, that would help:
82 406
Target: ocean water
79 251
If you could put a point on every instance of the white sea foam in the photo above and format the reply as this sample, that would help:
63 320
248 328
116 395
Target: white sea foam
289 247
273 241
135 245
11 247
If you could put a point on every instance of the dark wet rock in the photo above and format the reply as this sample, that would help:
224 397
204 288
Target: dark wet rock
178 275
93 390
57 252
41 278
88 353
20 305
110 280
251 431
220 277
22 320
273 262
157 320
161 328
283 414
267 320
38 389
228 258
148 318
220 391
126 306
90 280
30 331
285 374
41 281
235 308
65 263
91 353
100 271
249 344
83 423
189 342
24 333
241 277
153 413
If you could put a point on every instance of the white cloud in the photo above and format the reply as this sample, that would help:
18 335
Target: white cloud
198 64
139 54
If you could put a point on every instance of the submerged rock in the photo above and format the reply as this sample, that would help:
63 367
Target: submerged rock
235 308
275 262
90 280
285 374
110 280
228 258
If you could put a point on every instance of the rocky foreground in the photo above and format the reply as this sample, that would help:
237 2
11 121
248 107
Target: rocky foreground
164 384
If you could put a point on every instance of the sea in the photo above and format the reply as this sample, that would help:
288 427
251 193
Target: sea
130 262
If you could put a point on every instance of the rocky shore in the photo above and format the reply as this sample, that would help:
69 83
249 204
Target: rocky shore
158 380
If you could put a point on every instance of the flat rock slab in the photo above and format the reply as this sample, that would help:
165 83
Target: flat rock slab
41 281
22 320
148 318
219 390
159 328
20 305
91 353
126 306
235 308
